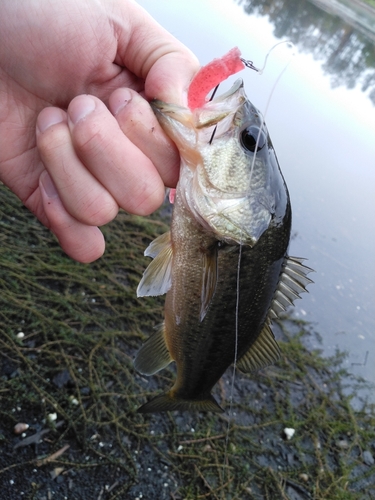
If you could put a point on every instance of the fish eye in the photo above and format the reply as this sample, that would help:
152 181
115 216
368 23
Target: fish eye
249 138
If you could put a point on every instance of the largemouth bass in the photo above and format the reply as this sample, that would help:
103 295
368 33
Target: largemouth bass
224 263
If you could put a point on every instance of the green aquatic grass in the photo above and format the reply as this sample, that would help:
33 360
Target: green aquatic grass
83 325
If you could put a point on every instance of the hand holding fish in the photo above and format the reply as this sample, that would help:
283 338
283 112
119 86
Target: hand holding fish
78 137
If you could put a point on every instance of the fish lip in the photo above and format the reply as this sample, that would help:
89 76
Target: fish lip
166 107
159 105
212 113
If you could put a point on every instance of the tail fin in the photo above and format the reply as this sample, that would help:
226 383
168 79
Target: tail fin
168 402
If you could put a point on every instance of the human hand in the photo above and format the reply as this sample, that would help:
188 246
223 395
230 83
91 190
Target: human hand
74 159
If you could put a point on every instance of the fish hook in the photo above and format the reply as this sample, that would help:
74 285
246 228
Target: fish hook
212 96
249 64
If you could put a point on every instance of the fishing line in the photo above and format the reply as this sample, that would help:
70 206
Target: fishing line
248 64
260 71
236 330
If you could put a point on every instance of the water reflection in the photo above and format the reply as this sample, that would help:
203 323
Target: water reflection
348 55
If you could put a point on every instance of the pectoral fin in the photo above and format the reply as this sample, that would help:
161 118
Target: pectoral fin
263 352
157 278
209 281
153 355
158 244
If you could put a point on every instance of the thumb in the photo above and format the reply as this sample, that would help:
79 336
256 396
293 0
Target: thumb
170 76
152 53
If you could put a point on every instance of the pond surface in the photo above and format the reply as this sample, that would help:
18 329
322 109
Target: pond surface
322 125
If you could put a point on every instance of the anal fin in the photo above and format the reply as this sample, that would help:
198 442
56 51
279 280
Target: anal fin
153 355
263 352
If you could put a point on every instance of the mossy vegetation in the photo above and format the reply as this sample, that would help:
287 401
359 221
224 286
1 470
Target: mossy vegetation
82 325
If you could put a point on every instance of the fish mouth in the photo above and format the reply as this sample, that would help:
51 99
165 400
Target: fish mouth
238 84
212 113
221 107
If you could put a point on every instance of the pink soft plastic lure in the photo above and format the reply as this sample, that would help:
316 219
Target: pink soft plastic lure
209 77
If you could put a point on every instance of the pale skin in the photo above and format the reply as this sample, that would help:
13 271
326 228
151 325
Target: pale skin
78 139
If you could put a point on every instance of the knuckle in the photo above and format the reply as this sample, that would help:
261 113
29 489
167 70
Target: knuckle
51 142
146 202
89 137
97 210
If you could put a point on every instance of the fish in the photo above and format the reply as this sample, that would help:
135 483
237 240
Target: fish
224 264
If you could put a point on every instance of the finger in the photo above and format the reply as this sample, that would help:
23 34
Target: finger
155 55
80 192
81 242
118 164
139 124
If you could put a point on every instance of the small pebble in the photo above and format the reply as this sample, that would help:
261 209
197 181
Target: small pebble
20 428
304 477
368 458
343 444
289 432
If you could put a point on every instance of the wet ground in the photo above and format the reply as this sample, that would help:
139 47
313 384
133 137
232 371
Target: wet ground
68 334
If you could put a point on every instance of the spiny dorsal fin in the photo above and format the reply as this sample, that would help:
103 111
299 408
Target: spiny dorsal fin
154 354
209 280
263 352
293 281
157 278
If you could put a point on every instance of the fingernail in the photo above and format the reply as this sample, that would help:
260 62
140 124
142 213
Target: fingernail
49 117
80 107
119 100
48 185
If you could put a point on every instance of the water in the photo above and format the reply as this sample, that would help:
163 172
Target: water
322 125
